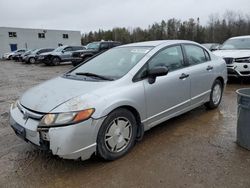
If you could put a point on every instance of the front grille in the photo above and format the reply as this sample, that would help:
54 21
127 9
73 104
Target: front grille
242 60
27 113
228 60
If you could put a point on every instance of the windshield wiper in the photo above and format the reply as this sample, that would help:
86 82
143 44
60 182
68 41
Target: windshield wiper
94 75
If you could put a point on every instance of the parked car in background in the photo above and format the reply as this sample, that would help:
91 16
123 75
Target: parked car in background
32 57
93 48
236 53
8 56
17 55
104 105
60 54
22 57
211 46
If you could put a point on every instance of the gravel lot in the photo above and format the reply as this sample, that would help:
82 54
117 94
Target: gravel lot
195 150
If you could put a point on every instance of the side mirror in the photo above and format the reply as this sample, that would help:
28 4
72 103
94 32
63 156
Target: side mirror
155 72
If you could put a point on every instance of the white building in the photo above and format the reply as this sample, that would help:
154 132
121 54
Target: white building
17 38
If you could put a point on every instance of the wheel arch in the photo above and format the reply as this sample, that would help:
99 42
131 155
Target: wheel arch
56 56
135 112
221 79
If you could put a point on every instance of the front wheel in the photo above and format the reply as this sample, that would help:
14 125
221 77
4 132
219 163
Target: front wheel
117 135
75 63
215 95
55 61
32 60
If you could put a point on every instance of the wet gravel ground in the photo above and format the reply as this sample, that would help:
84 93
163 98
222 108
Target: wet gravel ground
197 149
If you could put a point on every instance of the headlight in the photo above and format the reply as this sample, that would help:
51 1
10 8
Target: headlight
57 119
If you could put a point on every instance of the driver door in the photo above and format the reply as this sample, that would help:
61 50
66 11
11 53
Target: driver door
66 54
170 94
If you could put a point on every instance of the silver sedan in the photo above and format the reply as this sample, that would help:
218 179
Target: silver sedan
104 105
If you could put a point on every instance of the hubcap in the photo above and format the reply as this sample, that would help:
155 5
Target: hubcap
118 135
216 94
56 61
32 60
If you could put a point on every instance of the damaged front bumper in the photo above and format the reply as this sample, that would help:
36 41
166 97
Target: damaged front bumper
238 70
77 141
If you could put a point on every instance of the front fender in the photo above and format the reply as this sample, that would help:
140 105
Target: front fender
130 95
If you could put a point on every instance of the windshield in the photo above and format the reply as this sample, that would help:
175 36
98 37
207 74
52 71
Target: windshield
114 63
94 45
236 44
35 51
28 52
59 49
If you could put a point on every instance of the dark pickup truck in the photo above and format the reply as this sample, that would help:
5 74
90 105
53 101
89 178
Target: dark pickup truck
94 48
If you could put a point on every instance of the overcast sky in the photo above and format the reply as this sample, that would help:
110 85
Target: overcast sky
86 15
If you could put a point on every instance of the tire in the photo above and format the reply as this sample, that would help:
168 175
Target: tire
55 61
75 63
86 58
117 135
32 60
215 95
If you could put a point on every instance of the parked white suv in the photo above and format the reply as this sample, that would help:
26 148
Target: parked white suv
236 53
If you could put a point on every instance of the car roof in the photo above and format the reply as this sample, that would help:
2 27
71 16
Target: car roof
241 37
158 42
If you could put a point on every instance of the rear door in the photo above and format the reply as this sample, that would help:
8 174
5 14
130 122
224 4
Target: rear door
170 94
201 73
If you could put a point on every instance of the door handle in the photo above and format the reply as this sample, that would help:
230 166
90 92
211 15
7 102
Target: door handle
209 68
183 76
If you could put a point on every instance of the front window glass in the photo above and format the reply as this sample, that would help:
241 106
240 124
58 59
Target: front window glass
68 49
35 51
104 46
236 44
114 63
171 58
59 49
93 45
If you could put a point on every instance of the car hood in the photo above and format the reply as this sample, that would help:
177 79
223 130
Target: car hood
10 53
50 94
232 53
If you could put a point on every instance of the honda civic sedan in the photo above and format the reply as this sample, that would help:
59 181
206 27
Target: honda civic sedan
104 106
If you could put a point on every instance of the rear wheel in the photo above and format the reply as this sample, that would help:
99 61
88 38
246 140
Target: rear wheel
117 134
215 95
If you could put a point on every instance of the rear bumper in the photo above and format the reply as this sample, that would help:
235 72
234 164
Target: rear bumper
76 141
